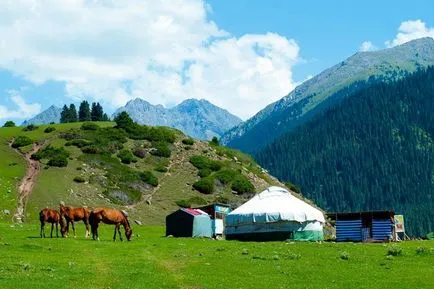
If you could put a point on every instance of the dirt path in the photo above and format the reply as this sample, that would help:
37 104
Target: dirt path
28 182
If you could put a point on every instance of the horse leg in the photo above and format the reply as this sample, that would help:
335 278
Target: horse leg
42 232
57 230
52 228
119 231
86 223
114 236
73 228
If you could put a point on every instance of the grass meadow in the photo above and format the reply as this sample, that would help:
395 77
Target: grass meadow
153 261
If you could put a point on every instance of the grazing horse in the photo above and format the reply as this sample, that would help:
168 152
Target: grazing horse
51 216
72 215
110 216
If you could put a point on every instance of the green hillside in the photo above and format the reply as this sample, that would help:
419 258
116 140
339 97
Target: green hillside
372 151
148 171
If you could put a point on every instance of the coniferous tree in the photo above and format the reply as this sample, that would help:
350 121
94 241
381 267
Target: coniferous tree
84 111
105 117
64 115
97 112
72 113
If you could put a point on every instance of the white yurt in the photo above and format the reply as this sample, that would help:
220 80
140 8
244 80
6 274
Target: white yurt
275 214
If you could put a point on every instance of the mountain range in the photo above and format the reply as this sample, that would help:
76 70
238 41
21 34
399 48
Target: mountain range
327 88
196 118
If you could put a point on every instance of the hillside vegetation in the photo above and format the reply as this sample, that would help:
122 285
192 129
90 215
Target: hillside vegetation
372 151
147 170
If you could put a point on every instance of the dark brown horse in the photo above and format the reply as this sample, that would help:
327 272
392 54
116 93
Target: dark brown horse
51 216
72 215
110 216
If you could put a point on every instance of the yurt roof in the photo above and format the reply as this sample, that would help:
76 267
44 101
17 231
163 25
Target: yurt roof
273 205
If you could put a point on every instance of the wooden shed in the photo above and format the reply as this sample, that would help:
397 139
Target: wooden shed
375 226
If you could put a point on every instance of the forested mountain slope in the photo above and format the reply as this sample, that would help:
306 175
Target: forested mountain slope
327 88
372 151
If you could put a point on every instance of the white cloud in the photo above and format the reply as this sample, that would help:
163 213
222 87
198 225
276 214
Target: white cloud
410 30
367 46
166 51
24 110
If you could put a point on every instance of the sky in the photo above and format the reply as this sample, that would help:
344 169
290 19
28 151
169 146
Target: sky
240 55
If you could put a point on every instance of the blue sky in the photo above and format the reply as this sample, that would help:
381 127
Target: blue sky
240 55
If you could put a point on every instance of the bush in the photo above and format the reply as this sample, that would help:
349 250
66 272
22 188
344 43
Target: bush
394 250
149 178
205 185
49 129
183 204
91 149
80 143
139 152
188 141
421 250
227 176
161 168
79 179
126 157
430 236
161 150
221 200
201 162
89 126
203 173
21 141
30 127
293 187
9 124
58 161
215 141
242 185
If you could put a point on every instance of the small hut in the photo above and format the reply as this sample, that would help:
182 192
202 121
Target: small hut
218 214
378 226
187 222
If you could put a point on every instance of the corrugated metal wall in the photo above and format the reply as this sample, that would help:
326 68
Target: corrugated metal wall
349 230
381 229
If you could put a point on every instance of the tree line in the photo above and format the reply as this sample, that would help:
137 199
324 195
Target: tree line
85 113
372 151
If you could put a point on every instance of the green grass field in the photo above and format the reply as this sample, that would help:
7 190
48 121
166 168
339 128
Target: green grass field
153 261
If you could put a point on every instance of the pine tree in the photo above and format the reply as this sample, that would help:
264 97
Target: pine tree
97 112
84 111
64 115
105 117
72 113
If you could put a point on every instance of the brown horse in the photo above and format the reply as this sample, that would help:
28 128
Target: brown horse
51 216
110 216
72 215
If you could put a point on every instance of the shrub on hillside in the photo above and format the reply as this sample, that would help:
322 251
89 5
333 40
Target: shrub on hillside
149 178
58 161
140 152
80 143
226 176
215 141
161 168
293 187
202 162
161 149
30 127
126 157
89 126
188 141
21 141
90 149
79 179
183 204
203 173
205 185
49 129
394 250
190 202
242 185
9 124
221 200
